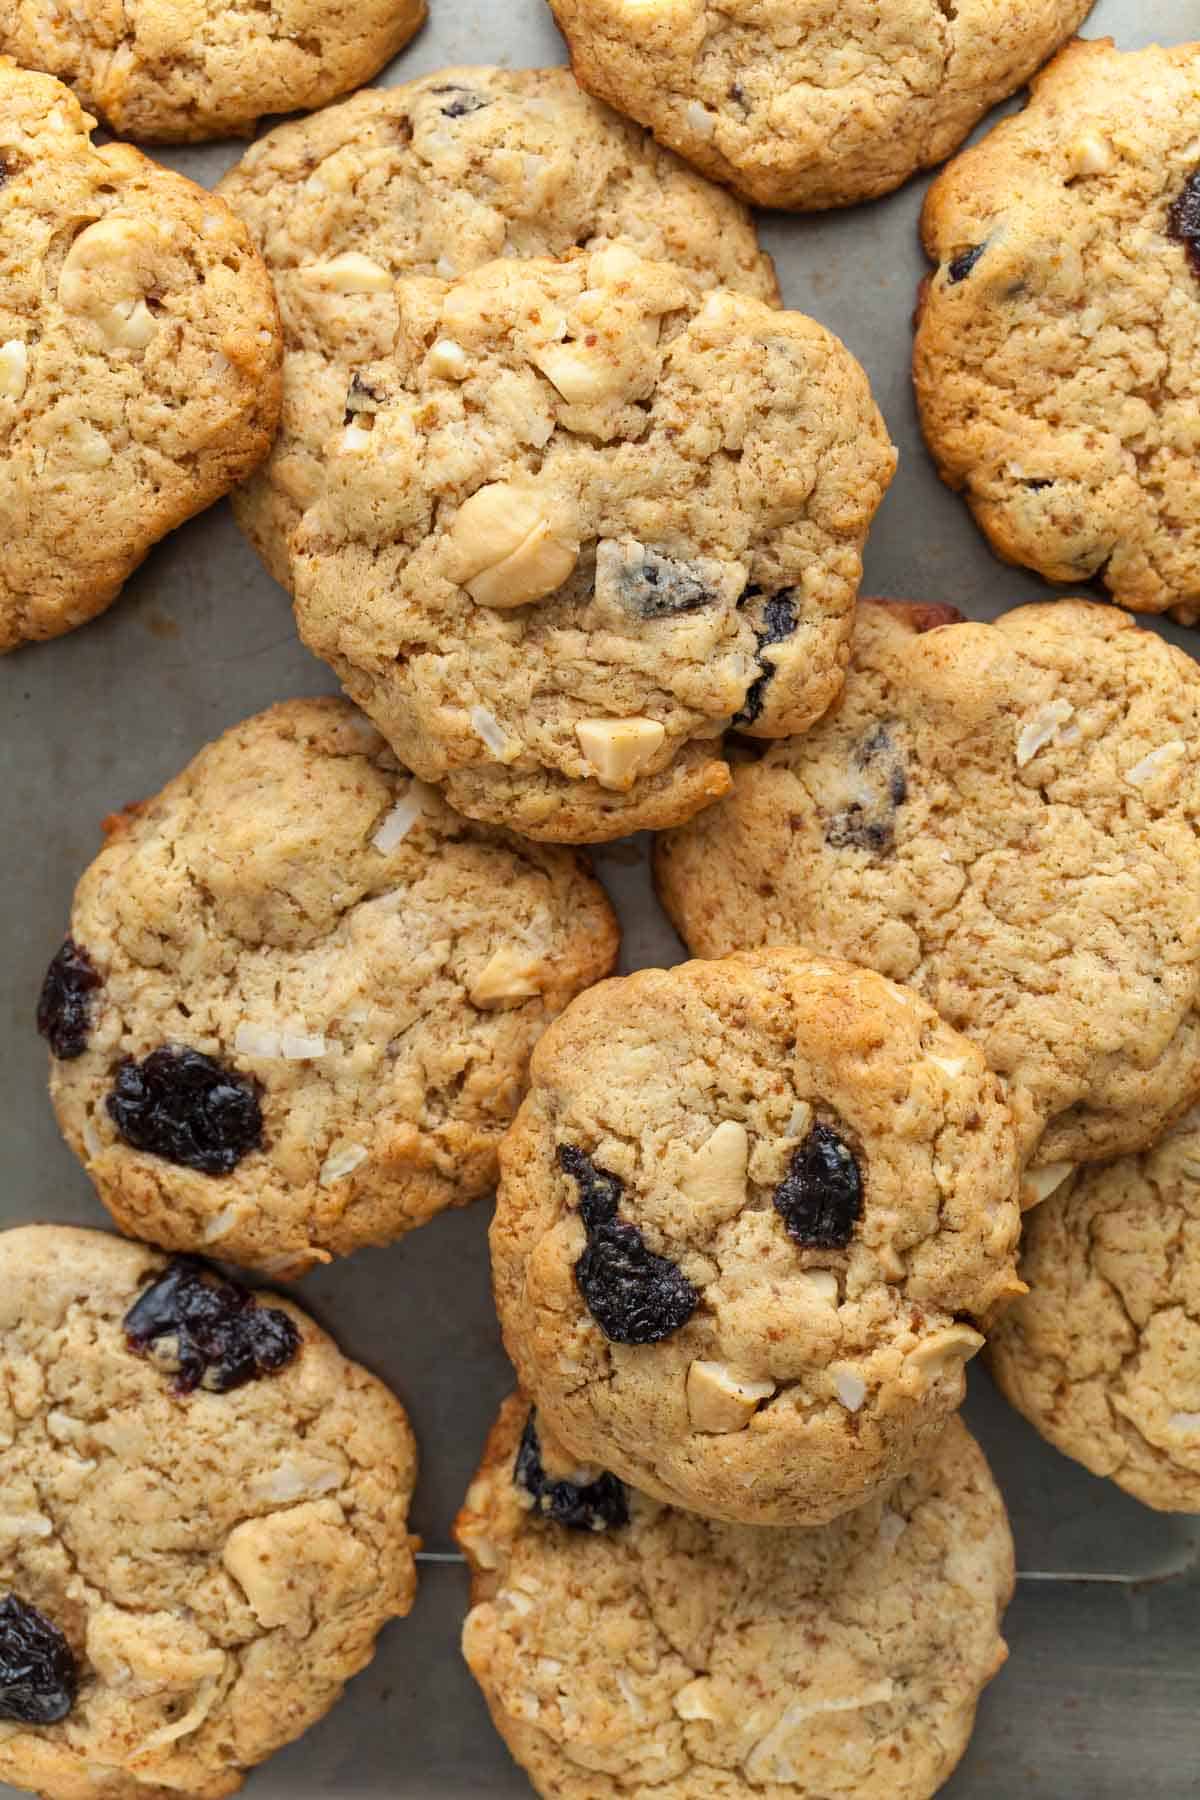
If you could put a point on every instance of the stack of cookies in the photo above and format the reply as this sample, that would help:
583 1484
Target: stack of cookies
575 509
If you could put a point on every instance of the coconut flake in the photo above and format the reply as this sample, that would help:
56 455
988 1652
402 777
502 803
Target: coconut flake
700 120
850 1388
1185 1421
255 1040
892 1526
1165 757
34 1525
489 729
1042 729
191 1721
296 1481
342 1162
397 824
1045 1182
301 1046
221 1223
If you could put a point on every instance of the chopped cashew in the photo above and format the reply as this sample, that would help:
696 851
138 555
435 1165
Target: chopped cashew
1041 1183
349 273
105 276
509 975
505 551
941 1354
450 360
719 1399
1090 155
14 369
821 1283
716 1174
619 749
580 376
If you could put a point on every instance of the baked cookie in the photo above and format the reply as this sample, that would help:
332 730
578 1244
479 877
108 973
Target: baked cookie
1057 357
582 519
804 103
139 358
435 178
203 1521
747 1220
626 1648
296 1006
1103 1354
176 71
1007 817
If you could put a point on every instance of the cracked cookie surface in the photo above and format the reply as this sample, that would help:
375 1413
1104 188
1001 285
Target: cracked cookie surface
1057 355
583 518
1103 1353
139 358
436 178
176 71
219 1563
311 995
811 103
1006 817
744 1218
672 1656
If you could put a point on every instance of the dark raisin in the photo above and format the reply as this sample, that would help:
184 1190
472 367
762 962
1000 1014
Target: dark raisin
360 399
962 265
779 622
206 1331
820 1197
64 1013
181 1105
634 1296
600 1505
1036 485
464 101
38 1676
652 586
869 823
1183 220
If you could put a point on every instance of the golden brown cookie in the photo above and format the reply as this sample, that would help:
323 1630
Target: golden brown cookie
203 1521
626 1648
1007 817
296 1006
139 358
748 1220
1057 355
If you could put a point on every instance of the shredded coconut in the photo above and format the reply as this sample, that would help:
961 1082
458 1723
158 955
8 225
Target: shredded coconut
1165 757
342 1162
1042 729
399 822
851 1389
489 729
221 1223
300 1046
255 1040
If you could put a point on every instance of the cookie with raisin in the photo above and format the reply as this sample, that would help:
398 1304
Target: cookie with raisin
751 1218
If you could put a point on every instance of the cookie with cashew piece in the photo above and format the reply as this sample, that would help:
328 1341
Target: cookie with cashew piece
626 1647
139 358
585 518
295 1008
751 1220
204 1514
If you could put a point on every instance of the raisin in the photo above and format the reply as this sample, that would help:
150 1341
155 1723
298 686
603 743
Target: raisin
1183 220
652 586
360 399
464 101
962 265
181 1105
779 622
64 1013
869 823
634 1296
206 1331
38 1675
820 1197
600 1505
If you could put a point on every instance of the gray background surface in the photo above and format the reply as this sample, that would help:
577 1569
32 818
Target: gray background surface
1098 1700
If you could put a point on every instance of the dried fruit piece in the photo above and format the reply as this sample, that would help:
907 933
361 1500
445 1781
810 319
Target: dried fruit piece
648 584
600 1505
635 1296
1183 220
962 265
183 1106
64 1014
464 101
38 1675
779 622
820 1197
206 1331
869 822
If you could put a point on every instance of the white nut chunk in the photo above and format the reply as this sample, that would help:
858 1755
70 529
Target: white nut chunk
719 1399
1039 1184
715 1178
582 377
105 276
349 273
14 369
619 749
508 975
943 1353
504 548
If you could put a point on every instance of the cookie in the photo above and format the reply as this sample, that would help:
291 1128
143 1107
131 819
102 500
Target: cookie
1007 817
1057 356
1103 1353
203 1513
296 1005
177 71
583 518
748 1219
139 358
653 1652
436 178
803 104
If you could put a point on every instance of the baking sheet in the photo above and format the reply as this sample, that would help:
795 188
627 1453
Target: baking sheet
1099 1698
